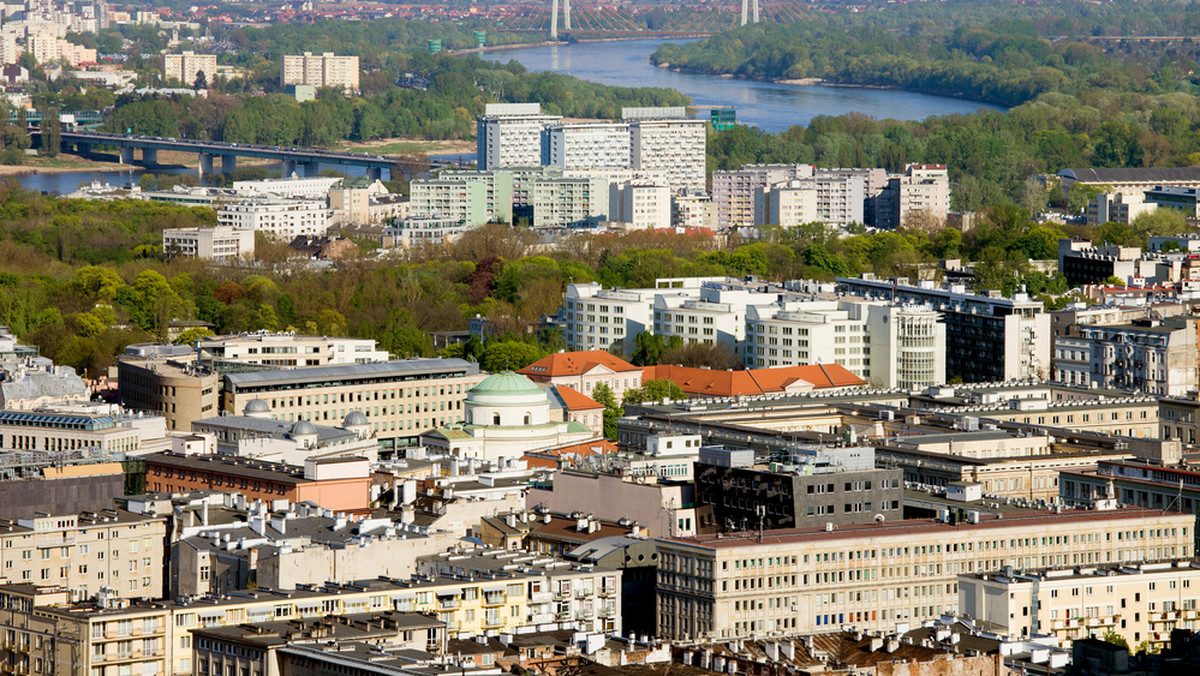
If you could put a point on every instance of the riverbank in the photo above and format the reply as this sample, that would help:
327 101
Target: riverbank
551 43
63 164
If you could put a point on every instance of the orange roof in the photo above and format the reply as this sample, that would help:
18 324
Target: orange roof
553 457
707 382
574 363
575 400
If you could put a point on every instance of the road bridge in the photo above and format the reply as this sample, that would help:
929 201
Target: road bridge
292 159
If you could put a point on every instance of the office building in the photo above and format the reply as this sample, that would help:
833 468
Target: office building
1081 263
1147 355
815 487
734 191
291 187
224 244
873 576
1184 200
1139 602
114 552
716 317
664 507
167 380
282 219
676 146
323 70
510 135
187 67
787 204
988 337
105 429
640 204
587 145
288 350
402 399
1131 181
1115 207
255 435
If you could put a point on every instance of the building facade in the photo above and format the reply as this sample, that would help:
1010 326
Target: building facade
1150 356
319 70
188 66
288 350
283 219
678 147
510 135
219 243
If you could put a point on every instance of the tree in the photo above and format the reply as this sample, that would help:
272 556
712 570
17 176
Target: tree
51 133
654 390
509 355
201 81
612 410
1116 639
717 356
648 348
192 335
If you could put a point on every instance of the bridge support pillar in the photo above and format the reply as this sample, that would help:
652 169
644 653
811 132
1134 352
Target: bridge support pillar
206 164
83 148
149 156
126 155
374 173
228 164
287 168
312 168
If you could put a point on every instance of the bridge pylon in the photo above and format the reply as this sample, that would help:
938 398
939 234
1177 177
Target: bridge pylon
745 7
566 17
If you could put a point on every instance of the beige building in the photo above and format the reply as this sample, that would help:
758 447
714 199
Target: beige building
186 67
320 70
1140 602
115 551
874 576
166 379
219 243
921 189
402 399
786 204
46 633
48 48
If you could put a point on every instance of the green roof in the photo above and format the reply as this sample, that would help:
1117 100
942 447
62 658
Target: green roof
507 383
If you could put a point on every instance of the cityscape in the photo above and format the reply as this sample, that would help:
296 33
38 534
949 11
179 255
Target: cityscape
759 338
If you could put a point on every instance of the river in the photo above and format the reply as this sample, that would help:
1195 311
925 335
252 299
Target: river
770 106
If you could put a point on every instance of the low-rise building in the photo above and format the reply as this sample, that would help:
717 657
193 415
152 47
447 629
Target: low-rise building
104 429
583 370
166 379
255 435
222 243
286 350
283 219
1140 602
1157 357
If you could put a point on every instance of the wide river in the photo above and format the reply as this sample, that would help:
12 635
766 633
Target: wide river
770 106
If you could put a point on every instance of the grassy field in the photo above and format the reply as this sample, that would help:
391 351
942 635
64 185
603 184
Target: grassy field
409 147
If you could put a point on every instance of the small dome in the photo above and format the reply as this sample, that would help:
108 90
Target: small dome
256 406
354 418
302 428
507 383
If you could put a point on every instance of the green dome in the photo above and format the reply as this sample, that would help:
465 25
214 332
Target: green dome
506 383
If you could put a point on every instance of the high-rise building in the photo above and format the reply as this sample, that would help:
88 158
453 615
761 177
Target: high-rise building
677 146
786 204
734 191
319 70
922 191
640 203
587 145
186 67
510 135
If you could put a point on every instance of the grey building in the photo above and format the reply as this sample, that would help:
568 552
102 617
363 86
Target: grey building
637 559
817 487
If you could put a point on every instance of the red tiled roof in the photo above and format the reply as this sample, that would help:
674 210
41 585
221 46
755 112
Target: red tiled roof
575 363
552 457
575 400
708 382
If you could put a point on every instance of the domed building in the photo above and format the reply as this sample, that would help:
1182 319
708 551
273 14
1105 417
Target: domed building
507 415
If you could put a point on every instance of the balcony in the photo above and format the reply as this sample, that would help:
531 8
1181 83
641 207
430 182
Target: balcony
564 616
497 599
562 594
541 597
449 604
607 612
493 621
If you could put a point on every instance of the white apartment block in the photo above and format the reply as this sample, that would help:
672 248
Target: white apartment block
886 345
734 192
112 549
221 243
568 202
588 145
716 316
186 66
640 204
873 576
922 188
295 187
677 146
454 200
1138 602
1151 356
596 318
786 204
510 135
279 218
287 350
319 70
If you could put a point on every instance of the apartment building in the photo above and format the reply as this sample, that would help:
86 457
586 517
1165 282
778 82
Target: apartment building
840 197
694 209
510 135
988 337
402 399
188 66
734 191
167 380
111 551
565 202
675 146
786 204
471 198
640 204
287 350
319 70
282 219
716 317
1147 355
874 576
219 243
587 145
1082 263
50 49
47 631
1114 207
921 189
596 318
1140 602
